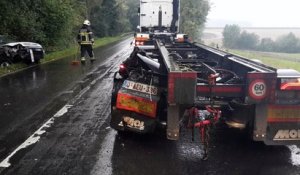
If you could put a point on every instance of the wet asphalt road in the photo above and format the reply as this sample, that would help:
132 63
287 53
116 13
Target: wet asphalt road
78 139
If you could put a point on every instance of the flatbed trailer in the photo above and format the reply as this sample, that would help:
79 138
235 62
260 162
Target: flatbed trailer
167 82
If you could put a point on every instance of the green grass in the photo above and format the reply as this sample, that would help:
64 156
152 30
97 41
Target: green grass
58 55
277 60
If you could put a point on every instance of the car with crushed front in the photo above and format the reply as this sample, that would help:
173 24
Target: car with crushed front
14 52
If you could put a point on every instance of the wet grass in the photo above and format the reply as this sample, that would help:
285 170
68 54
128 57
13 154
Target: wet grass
58 55
12 68
277 60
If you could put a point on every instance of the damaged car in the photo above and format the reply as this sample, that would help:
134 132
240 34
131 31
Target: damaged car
14 52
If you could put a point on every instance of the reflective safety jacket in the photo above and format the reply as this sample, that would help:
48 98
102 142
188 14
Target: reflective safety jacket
85 35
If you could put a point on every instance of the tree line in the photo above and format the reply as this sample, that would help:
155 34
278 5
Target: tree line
235 38
55 23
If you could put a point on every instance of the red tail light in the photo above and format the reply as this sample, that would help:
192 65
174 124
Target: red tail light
122 66
122 69
293 84
290 85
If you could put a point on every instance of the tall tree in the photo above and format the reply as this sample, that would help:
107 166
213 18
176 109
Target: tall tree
50 23
231 34
132 13
288 43
111 17
248 41
193 17
267 44
103 17
57 18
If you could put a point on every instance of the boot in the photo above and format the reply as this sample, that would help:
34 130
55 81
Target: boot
82 59
93 59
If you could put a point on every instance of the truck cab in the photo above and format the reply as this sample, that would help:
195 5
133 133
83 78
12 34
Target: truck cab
157 15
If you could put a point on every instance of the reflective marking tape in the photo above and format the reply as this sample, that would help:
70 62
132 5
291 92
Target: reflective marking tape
35 137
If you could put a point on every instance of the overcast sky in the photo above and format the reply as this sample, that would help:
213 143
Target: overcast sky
255 13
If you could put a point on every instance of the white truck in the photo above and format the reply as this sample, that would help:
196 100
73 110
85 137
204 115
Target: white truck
159 15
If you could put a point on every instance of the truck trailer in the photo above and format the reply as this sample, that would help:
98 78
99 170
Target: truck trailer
169 81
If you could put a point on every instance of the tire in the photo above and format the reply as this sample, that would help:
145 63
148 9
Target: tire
37 61
4 64
249 130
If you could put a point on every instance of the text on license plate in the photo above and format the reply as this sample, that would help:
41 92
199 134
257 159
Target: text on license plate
140 87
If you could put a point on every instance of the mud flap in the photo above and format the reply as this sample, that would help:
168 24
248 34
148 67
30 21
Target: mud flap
173 122
283 126
282 134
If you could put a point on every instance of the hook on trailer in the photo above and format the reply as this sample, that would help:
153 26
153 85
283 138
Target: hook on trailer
203 119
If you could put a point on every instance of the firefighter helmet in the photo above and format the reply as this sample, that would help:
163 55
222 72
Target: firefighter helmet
86 22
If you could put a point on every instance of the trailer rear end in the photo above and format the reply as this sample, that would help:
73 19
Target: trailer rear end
164 83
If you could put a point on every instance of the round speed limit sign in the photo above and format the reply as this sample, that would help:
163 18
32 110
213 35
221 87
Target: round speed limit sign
258 89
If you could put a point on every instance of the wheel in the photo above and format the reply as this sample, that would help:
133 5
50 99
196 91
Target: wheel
37 61
4 64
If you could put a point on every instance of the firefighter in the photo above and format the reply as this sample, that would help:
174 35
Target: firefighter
85 39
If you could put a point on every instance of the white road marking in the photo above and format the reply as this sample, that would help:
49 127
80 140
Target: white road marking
35 137
295 155
104 165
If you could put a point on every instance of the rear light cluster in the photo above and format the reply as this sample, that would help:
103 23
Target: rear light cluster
122 69
290 85
122 66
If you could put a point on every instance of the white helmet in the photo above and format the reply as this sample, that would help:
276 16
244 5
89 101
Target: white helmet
86 22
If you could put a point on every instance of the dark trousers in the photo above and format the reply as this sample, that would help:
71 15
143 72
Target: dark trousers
86 48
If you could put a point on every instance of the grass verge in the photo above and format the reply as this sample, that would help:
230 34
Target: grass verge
277 60
58 55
